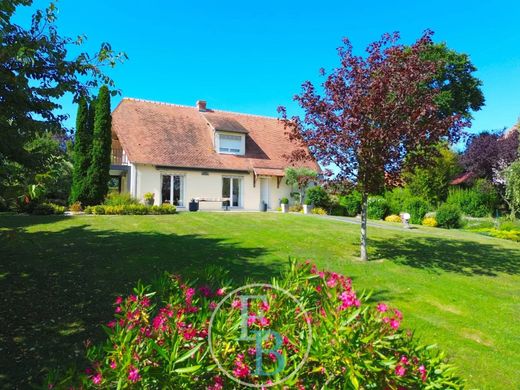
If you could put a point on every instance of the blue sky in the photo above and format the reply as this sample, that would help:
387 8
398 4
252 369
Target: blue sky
253 56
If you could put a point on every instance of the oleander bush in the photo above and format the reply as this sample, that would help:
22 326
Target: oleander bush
131 209
159 338
430 221
448 216
393 218
377 207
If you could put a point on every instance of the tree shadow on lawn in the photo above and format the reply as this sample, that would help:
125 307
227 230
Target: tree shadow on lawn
58 287
464 257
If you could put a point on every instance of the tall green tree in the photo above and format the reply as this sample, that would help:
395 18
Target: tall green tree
98 172
82 153
36 70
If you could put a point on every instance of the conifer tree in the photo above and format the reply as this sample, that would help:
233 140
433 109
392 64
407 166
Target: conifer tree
82 149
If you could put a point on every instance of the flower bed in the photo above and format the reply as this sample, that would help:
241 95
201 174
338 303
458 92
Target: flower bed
159 339
130 209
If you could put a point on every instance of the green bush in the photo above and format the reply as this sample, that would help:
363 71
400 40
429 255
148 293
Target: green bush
284 201
317 196
318 211
48 209
116 199
98 210
377 207
131 209
396 200
448 216
351 203
158 338
479 201
89 210
417 208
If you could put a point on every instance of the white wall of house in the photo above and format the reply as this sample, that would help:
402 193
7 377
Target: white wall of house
146 178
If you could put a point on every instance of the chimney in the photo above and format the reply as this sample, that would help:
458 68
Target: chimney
201 105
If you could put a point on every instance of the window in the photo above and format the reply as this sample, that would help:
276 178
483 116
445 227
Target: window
231 144
172 190
231 189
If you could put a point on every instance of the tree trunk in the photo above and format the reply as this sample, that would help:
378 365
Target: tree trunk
364 206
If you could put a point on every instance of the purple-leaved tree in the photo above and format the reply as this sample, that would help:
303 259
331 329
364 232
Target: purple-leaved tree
373 114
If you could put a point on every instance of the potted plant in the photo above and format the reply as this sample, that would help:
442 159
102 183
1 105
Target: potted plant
307 206
149 198
285 205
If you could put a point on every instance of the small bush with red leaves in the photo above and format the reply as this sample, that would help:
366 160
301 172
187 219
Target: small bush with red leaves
160 339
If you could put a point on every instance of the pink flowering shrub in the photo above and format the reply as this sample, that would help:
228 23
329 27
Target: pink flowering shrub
160 339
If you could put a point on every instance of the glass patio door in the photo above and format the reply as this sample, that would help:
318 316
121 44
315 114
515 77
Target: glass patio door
172 190
231 188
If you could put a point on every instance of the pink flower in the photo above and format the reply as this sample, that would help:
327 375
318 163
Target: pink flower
190 292
404 360
394 323
381 307
241 369
113 364
212 305
118 301
251 320
97 379
112 324
398 314
331 283
400 370
145 302
264 322
133 374
236 304
220 292
422 371
205 291
218 383
132 298
264 306
118 309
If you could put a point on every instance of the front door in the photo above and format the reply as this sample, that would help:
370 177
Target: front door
264 191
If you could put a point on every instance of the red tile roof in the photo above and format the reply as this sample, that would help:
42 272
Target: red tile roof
181 136
462 179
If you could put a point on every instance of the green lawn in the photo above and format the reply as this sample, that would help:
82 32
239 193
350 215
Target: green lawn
59 276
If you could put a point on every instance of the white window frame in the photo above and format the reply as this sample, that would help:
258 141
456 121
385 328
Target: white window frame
240 190
239 137
183 187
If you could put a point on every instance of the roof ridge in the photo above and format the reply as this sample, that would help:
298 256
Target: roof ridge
193 107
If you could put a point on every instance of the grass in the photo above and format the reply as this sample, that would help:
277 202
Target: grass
59 276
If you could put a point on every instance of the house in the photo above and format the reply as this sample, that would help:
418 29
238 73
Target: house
181 153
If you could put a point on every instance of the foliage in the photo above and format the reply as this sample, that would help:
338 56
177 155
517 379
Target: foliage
432 181
76 207
159 339
486 152
284 201
351 203
512 235
318 211
376 113
82 153
430 221
149 196
296 208
48 209
377 207
36 70
317 196
512 184
300 178
117 199
98 172
393 218
417 207
130 209
478 201
396 198
448 216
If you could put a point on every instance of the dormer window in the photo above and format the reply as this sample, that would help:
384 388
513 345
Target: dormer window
230 144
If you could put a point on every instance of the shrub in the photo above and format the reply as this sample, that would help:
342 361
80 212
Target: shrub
351 203
296 208
377 207
159 339
478 201
393 218
116 199
284 201
75 207
317 196
417 207
149 196
430 221
319 211
98 210
131 209
47 209
89 210
307 202
448 216
396 200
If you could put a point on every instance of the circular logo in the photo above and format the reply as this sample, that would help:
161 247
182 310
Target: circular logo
259 335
